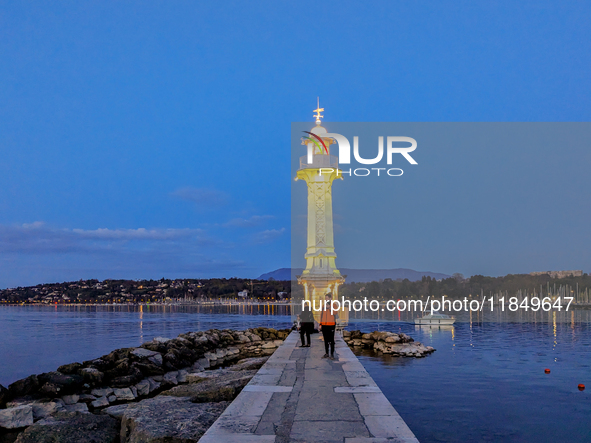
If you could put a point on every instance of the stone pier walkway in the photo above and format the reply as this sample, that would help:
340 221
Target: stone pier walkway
297 396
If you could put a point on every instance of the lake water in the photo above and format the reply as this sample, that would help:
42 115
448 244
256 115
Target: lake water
37 339
485 382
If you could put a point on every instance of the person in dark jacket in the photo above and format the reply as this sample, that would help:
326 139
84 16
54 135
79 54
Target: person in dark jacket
328 322
306 325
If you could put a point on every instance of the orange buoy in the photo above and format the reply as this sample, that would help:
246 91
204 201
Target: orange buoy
581 387
547 371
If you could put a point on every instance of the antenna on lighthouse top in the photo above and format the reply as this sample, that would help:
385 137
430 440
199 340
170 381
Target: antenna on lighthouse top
318 110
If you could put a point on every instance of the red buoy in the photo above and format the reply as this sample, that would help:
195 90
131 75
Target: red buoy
581 387
547 371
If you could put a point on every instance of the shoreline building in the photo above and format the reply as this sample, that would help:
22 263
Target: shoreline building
559 274
319 169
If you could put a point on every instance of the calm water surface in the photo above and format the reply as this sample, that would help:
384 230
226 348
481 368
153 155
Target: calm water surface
35 339
485 382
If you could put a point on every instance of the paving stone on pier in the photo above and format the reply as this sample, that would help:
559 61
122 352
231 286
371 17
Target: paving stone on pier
257 388
298 396
357 389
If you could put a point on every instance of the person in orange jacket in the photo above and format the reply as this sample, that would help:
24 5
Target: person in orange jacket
328 322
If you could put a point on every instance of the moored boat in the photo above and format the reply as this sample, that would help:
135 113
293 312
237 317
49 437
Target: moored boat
435 319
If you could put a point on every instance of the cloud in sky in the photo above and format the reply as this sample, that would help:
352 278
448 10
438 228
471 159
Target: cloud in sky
138 234
268 235
204 198
33 253
37 237
250 222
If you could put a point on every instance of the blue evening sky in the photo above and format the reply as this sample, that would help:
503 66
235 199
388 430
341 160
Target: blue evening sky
152 139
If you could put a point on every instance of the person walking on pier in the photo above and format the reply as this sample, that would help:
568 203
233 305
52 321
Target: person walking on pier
306 325
328 322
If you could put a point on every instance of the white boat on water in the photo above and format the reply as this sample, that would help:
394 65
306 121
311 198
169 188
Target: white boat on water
435 319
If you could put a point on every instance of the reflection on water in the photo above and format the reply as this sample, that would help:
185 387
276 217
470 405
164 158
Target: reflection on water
497 315
486 381
38 339
141 323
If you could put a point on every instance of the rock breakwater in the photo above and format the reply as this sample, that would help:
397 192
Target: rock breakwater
391 343
145 394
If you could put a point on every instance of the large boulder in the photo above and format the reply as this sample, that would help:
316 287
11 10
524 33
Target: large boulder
124 394
248 364
201 341
76 407
71 368
154 385
377 335
176 359
116 411
143 353
381 347
16 417
223 385
45 407
355 335
405 338
56 383
243 339
149 368
134 376
99 363
168 419
100 402
121 368
118 354
182 342
70 399
102 392
162 339
154 346
72 427
3 396
254 337
156 359
23 387
92 375
143 388
171 378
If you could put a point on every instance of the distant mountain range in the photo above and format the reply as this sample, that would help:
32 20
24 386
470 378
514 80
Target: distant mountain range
362 275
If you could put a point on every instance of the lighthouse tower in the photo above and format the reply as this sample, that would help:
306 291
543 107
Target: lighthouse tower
319 169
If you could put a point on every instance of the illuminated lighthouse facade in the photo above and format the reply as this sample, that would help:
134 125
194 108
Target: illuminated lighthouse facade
321 274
